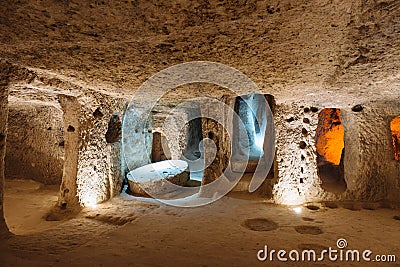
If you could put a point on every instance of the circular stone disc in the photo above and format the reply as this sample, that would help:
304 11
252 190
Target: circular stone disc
157 171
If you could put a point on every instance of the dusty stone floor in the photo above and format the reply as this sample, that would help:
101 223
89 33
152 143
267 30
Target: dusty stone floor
129 231
26 202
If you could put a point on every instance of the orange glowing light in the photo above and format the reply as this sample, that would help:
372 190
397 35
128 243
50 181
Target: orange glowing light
330 135
395 128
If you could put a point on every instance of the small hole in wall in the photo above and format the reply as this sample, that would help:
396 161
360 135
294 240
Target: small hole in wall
302 157
395 129
357 108
306 120
71 129
290 119
97 113
329 141
302 170
210 135
302 144
304 132
306 110
301 180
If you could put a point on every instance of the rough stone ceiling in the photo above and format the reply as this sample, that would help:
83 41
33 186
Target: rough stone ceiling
339 51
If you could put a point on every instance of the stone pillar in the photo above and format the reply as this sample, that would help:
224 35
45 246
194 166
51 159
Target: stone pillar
298 180
215 125
93 169
68 189
116 170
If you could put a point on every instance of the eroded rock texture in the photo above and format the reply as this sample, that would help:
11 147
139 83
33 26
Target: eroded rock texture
35 143
99 174
371 171
298 181
4 79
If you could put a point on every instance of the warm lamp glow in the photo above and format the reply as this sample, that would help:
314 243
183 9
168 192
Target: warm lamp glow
330 135
298 210
89 201
395 128
291 198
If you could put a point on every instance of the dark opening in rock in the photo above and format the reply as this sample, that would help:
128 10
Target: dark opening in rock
357 108
304 132
114 130
329 141
395 129
290 119
97 113
302 144
71 129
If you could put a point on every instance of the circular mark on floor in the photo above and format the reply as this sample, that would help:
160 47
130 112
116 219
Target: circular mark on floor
312 207
260 224
308 230
397 217
308 219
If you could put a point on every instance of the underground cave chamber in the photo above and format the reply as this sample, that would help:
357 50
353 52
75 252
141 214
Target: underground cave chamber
329 144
